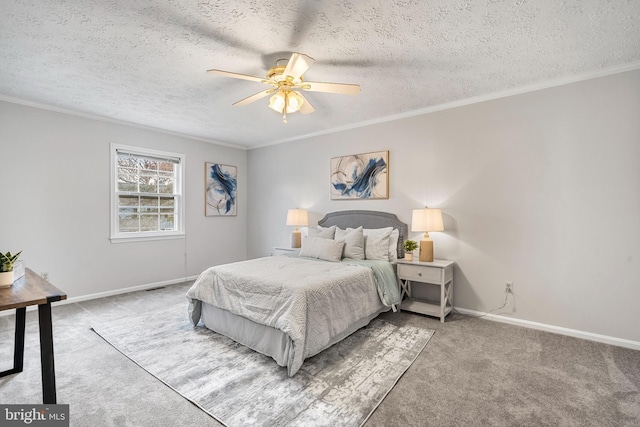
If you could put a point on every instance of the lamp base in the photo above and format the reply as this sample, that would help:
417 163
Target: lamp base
296 239
426 249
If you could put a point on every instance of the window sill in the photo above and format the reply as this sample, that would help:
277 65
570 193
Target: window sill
138 238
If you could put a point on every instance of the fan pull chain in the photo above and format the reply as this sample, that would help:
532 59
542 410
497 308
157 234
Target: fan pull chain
286 105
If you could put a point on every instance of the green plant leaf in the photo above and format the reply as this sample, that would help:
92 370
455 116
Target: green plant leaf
7 260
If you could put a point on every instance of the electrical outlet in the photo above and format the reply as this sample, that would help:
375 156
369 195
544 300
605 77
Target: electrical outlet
508 287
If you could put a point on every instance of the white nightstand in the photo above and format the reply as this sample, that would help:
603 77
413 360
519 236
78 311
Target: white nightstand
438 273
285 251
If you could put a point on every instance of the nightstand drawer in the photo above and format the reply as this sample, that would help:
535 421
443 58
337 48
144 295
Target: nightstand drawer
420 273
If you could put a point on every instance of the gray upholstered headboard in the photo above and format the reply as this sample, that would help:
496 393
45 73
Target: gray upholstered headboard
367 219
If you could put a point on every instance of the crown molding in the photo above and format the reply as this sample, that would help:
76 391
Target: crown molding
74 113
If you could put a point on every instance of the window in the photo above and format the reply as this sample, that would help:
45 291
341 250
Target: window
147 194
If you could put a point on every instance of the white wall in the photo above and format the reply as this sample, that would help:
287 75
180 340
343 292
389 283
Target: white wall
542 189
55 176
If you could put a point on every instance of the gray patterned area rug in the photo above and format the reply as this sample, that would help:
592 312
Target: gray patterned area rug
341 386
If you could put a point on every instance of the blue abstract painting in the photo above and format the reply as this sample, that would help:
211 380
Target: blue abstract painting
360 176
221 185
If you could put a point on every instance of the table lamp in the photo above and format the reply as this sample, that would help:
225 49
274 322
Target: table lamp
297 218
426 220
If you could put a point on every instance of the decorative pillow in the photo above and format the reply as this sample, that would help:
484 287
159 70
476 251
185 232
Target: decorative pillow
393 245
376 243
353 242
317 247
322 232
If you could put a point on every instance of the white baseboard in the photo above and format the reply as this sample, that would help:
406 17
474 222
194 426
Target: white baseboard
111 293
127 290
620 342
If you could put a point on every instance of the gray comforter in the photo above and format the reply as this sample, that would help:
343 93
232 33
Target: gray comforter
312 301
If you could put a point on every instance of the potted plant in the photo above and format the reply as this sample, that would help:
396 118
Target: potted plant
6 268
409 247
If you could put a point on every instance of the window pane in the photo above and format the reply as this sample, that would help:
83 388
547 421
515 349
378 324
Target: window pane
125 212
148 188
149 201
127 181
148 204
128 170
127 161
165 167
148 183
128 201
148 222
165 185
167 222
127 187
128 222
167 202
148 165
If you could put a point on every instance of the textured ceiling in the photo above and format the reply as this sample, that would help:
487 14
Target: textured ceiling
144 61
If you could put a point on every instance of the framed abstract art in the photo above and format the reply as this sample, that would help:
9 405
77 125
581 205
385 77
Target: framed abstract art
220 189
360 176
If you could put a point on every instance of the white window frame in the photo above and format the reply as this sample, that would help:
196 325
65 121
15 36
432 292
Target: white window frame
121 237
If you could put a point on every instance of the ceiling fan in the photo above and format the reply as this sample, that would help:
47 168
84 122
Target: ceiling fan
286 82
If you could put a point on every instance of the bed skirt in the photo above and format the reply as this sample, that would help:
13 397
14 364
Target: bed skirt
265 339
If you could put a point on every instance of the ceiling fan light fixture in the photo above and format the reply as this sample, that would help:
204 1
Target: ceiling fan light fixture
276 103
294 102
286 102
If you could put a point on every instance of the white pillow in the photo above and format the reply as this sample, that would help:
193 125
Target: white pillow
393 245
376 243
353 242
326 249
322 232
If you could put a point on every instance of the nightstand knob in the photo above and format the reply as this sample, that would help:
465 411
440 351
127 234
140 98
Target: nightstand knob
419 274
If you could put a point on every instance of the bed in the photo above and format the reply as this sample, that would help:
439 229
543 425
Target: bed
293 307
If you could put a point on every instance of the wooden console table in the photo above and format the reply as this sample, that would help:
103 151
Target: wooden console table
32 289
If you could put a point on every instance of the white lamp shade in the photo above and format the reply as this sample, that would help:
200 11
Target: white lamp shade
427 219
297 217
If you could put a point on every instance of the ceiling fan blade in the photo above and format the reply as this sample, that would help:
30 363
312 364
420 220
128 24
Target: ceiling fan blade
297 65
342 88
306 108
254 98
237 76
